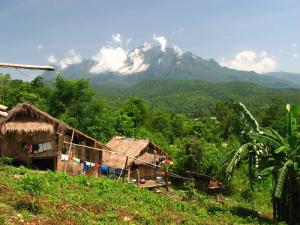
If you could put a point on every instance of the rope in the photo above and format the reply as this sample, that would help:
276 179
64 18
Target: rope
113 152
24 74
132 157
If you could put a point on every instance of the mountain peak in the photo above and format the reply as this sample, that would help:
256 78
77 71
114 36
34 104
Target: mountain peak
115 65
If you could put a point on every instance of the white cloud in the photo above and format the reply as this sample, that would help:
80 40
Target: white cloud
52 59
109 59
295 55
177 50
147 46
249 60
128 41
162 41
117 38
135 62
40 47
117 59
71 58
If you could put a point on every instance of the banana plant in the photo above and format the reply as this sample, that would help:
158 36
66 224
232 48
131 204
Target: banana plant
251 150
281 158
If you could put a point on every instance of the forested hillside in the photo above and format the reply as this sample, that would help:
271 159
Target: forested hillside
197 123
196 98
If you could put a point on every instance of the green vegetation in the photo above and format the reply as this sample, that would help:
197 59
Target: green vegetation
270 154
84 200
197 123
197 98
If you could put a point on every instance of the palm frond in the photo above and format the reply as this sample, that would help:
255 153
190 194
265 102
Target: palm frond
237 157
266 140
247 116
282 177
281 149
273 134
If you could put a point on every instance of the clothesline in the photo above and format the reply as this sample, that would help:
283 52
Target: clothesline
113 152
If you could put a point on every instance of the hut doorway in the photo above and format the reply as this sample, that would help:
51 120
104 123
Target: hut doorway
44 163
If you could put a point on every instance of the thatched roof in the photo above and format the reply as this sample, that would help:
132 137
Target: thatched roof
137 148
27 127
26 119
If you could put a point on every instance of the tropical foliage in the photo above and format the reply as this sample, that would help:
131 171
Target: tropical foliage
198 127
279 156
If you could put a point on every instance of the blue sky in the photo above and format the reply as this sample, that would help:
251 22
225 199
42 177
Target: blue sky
263 34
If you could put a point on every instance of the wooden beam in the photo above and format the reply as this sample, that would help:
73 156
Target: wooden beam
28 67
69 150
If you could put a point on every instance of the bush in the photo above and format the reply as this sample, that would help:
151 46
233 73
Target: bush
35 185
6 161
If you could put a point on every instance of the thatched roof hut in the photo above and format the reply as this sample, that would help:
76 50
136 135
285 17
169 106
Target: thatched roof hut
26 125
25 119
142 149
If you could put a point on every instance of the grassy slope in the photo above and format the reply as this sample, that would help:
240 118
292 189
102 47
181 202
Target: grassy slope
83 200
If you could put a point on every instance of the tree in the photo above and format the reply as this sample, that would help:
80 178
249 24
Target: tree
230 122
279 157
137 109
273 116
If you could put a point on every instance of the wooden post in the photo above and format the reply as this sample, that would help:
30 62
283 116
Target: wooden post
155 171
123 169
69 150
95 160
128 175
138 177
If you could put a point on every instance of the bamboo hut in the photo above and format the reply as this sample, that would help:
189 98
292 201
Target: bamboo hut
35 138
139 157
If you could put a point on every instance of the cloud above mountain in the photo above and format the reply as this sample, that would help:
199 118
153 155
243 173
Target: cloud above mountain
249 60
118 59
114 56
162 42
72 57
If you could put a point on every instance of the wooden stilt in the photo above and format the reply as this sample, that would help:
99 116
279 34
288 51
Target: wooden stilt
128 175
138 177
69 150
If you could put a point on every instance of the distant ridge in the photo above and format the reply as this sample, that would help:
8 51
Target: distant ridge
154 63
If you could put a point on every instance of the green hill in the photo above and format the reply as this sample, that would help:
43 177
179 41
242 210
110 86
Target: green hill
196 97
82 200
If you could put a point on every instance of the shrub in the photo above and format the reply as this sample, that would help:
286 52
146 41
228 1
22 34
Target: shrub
35 186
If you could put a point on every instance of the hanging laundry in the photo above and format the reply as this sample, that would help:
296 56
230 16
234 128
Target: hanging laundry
76 160
104 169
28 148
85 167
64 157
92 164
162 159
88 164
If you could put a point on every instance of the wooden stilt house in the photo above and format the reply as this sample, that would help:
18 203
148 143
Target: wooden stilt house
35 138
138 157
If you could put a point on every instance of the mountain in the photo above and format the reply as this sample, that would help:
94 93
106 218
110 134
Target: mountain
291 77
156 63
197 98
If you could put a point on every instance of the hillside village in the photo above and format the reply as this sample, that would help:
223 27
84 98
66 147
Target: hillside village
149 112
